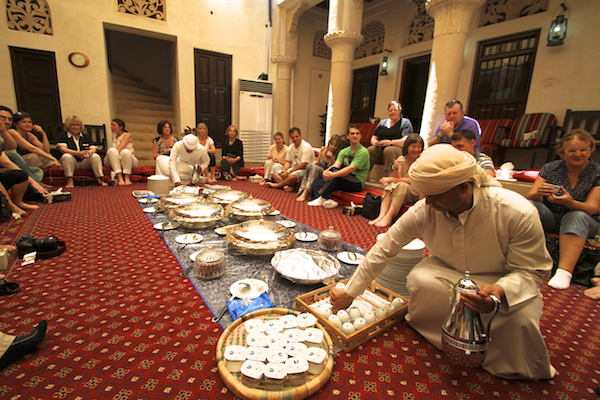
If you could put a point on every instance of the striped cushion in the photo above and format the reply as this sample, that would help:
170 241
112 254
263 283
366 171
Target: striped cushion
525 124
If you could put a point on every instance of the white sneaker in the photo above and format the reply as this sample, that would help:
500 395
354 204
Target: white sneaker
317 202
330 204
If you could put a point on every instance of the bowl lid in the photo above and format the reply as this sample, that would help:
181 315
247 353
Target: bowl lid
260 233
175 200
331 234
226 196
249 207
210 256
199 211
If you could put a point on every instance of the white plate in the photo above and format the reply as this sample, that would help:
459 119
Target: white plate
154 209
166 226
306 236
148 200
189 238
141 193
257 287
286 223
350 258
276 212
222 231
194 254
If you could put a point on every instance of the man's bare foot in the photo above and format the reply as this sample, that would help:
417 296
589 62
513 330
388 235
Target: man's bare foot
593 292
289 189
102 183
383 223
211 181
120 181
242 178
262 182
235 179
302 197
70 183
374 221
277 178
127 181
7 247
270 185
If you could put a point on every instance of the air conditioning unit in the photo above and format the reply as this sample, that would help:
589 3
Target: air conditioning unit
255 118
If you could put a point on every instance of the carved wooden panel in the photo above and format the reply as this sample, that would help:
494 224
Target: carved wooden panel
494 11
29 16
421 27
320 49
146 8
374 36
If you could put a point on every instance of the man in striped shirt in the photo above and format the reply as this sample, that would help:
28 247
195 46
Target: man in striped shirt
465 140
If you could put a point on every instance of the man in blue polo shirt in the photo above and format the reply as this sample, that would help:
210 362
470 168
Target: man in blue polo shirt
456 120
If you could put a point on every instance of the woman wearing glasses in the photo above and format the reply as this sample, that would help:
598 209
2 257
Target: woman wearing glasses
78 152
567 195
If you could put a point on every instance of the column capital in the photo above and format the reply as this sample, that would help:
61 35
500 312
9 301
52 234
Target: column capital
291 61
347 37
452 16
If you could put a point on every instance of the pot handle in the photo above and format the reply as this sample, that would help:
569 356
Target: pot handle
497 304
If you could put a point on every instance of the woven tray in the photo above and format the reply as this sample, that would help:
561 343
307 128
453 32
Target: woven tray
350 342
236 333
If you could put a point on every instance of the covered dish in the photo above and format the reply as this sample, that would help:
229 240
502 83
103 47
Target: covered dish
306 266
226 196
200 214
176 200
260 237
249 208
330 240
209 264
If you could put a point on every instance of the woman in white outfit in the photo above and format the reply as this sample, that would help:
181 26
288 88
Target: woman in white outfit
119 158
209 145
275 158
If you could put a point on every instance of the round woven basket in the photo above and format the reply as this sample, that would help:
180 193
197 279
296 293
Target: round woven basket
235 334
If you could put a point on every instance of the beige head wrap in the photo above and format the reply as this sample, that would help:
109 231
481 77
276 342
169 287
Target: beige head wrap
442 167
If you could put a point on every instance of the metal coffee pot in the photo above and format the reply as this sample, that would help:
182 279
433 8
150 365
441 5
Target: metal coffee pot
464 339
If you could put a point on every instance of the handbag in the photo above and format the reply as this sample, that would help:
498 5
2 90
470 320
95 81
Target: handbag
584 270
5 212
371 206
47 247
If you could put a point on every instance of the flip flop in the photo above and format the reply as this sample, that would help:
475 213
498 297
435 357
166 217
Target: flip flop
8 288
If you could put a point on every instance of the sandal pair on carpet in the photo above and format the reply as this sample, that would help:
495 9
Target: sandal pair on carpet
8 288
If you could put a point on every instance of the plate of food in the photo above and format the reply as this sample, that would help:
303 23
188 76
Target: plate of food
138 194
153 209
222 231
286 223
350 257
275 212
257 287
306 236
189 238
147 200
166 226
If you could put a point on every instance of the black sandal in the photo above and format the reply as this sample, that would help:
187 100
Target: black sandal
8 288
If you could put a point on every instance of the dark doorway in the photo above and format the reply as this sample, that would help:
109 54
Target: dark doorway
413 89
36 87
213 92
364 90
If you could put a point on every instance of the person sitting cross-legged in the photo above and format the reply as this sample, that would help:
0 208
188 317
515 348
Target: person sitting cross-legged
348 173
299 155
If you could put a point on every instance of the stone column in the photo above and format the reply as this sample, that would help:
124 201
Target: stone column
285 67
343 36
452 19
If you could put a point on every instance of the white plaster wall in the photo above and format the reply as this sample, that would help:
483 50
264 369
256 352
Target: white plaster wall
236 27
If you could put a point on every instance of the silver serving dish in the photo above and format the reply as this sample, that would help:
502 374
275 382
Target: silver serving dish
306 266
200 214
249 208
260 237
177 200
226 196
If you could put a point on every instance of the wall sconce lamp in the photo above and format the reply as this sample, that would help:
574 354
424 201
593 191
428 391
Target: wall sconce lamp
384 64
558 28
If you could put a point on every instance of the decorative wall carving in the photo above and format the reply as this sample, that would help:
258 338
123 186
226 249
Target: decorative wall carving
29 16
374 36
421 27
494 11
146 8
320 49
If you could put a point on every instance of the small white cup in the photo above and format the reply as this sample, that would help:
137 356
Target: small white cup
354 313
348 328
370 317
380 313
360 323
389 308
343 316
397 303
335 321
325 312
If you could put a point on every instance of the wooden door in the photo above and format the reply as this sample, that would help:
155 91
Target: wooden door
364 91
36 87
213 92
414 88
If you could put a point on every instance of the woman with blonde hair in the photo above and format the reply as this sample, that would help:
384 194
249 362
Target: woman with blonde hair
275 158
209 145
78 152
314 171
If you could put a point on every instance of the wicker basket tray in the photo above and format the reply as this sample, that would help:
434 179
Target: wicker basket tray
350 342
235 334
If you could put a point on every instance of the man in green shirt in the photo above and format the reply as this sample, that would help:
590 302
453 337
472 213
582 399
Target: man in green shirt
348 173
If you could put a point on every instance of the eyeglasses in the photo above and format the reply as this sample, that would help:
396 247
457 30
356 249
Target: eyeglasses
573 151
75 125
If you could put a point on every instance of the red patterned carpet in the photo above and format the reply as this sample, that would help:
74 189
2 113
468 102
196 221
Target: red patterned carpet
124 325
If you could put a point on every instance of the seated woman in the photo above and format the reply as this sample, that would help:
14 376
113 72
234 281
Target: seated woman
275 158
327 157
16 181
162 144
567 196
78 152
119 158
397 186
35 153
233 155
209 145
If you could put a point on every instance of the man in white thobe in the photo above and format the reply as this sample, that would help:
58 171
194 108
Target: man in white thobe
185 156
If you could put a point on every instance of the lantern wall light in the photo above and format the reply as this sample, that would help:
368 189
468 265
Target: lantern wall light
558 28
